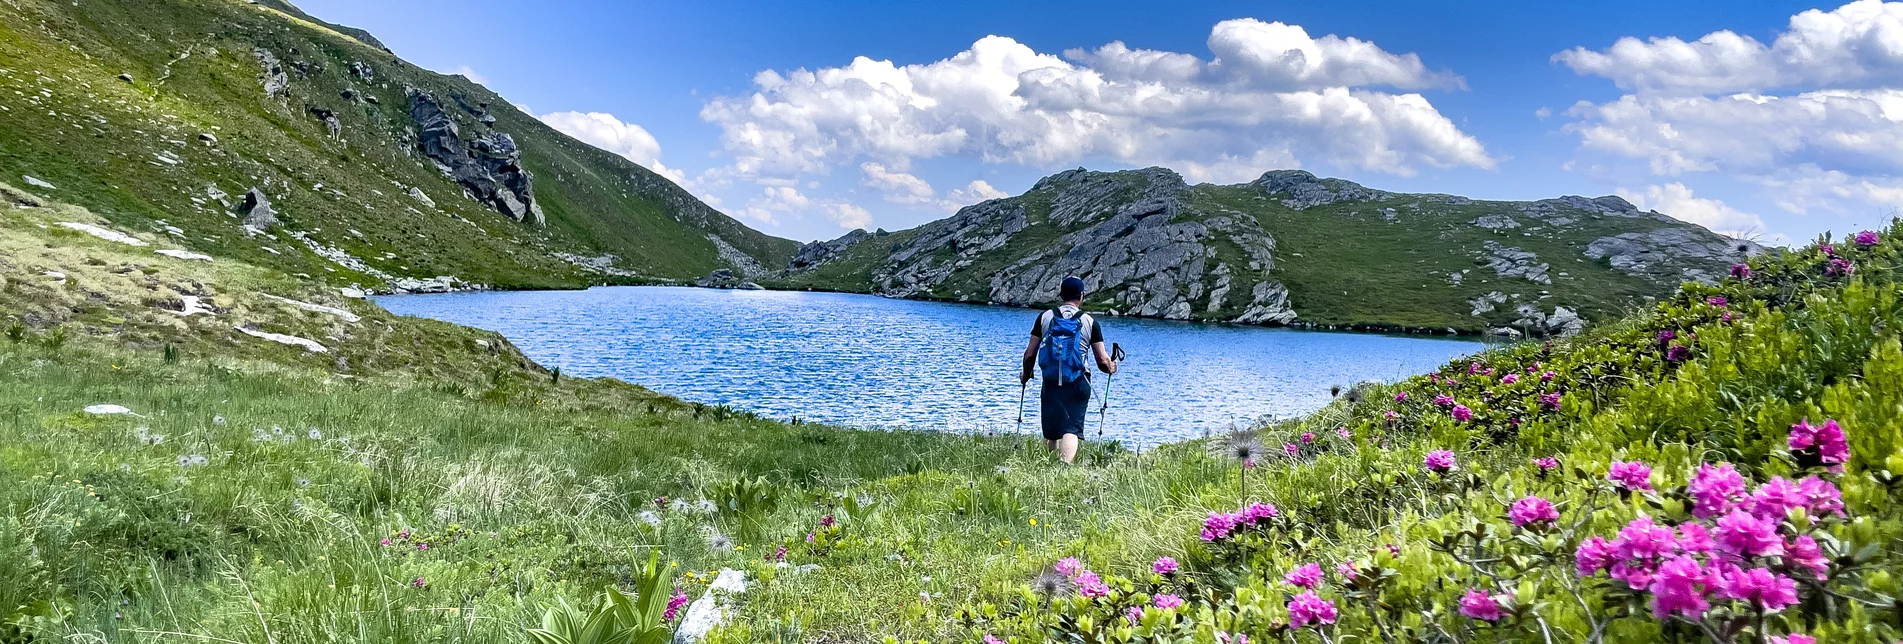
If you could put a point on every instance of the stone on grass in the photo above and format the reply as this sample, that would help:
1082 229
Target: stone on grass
109 410
183 254
103 233
37 182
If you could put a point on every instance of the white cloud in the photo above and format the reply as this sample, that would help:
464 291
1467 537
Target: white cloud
976 191
1676 200
776 200
847 215
604 131
470 73
1815 118
1272 94
897 187
1856 43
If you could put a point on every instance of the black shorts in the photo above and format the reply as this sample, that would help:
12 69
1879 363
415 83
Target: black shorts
1064 407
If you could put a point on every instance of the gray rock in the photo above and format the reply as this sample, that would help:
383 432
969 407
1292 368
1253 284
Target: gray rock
1300 190
1270 305
208 138
37 182
125 77
1694 253
720 278
738 259
348 95
819 252
421 197
276 83
488 166
255 210
1513 262
1565 322
362 71
1496 222
1485 303
438 284
331 122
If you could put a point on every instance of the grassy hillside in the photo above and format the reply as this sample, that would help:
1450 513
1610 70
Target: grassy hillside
190 127
1347 256
250 494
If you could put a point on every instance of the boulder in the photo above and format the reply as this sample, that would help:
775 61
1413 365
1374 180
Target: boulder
1513 262
1300 189
819 252
276 83
490 166
255 209
719 278
421 197
1671 251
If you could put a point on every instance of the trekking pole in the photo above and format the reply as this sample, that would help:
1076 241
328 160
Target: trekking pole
1116 356
1022 387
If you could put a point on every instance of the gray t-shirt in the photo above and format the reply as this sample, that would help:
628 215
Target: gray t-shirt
1090 329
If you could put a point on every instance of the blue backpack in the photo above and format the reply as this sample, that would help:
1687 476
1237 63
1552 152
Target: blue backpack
1062 354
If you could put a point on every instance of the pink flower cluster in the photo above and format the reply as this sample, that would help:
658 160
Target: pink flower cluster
1477 604
1550 401
1824 445
1534 511
1740 271
1088 583
1546 463
1631 475
1220 525
1746 554
674 605
1167 601
1867 238
1509 378
1444 400
1309 608
1839 267
1164 566
1439 460
1462 414
1308 576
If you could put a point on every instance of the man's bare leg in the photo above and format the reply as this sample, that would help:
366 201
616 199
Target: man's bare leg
1067 448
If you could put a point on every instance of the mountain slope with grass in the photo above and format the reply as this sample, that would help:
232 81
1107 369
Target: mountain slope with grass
195 447
1288 248
252 131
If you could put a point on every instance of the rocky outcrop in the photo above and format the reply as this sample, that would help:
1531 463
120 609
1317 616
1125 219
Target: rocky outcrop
276 82
1299 189
255 210
1513 262
489 166
819 252
1668 250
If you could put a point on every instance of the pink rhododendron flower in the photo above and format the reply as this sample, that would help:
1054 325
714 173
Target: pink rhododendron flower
1694 538
1477 369
1477 604
1594 554
1867 238
1740 271
1821 497
1643 539
1291 449
827 521
1760 587
1546 463
1308 608
1439 460
1742 534
1666 337
1548 376
1718 301
1400 397
1631 475
1680 588
1308 575
1678 353
1550 401
1344 433
1068 567
1839 267
1218 526
419 583
1826 443
1715 489
1259 512
1308 437
1089 585
1803 552
1462 413
1164 566
1827 249
1347 570
1531 510
1510 378
384 542
1167 600
1793 638
1636 575
992 639
1775 498
1135 615
674 605
1444 400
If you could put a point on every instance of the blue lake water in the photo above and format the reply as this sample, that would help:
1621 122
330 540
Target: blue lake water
872 362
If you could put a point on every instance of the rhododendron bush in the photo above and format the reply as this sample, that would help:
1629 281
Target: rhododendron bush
1722 469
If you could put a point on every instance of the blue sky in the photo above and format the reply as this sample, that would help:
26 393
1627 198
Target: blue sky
1735 115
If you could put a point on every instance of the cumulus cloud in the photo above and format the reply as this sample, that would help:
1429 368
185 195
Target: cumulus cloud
1271 94
976 191
1855 44
1815 118
897 187
1676 200
774 201
603 130
470 73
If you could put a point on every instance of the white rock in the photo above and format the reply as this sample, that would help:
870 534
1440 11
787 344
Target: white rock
184 254
56 275
703 616
109 410
318 308
194 305
730 580
104 233
352 293
37 182
309 345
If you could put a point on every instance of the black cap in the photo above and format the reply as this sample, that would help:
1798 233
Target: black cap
1073 289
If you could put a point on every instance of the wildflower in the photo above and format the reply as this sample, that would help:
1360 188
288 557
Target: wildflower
1761 587
1051 585
1400 397
1546 463
1643 539
1793 638
1239 446
422 546
1866 238
827 521
1249 464
649 517
718 542
1632 475
419 583
992 639
403 535
1821 497
1164 566
1532 510
1666 337
1593 555
1308 437
1740 271
1678 353
1726 318
1225 638
1089 585
1167 601
1680 588
812 537
1308 575
1477 604
384 542
1826 444
1548 376
777 556
1803 552
1694 538
1308 608
1550 401
1775 499
674 605
1462 413
1347 570
1475 369
1742 534
1637 575
1257 513
660 502
1444 400
1135 615
1510 378
1715 489
1218 526
1827 249
1718 301
1068 567
704 506
1439 460
1839 267
1291 449
1391 416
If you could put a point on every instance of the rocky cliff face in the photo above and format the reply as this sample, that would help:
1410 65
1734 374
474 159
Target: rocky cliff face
1148 244
489 166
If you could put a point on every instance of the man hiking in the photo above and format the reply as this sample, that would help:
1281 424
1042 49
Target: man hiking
1062 342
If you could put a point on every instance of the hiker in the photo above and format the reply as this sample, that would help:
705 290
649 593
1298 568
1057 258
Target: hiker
1061 342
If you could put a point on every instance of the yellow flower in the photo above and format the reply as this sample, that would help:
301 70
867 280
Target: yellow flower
1033 521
